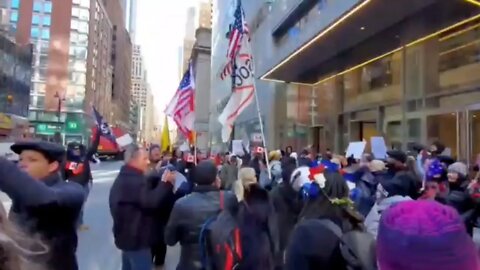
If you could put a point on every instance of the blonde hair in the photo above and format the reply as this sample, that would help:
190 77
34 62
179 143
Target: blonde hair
16 246
246 177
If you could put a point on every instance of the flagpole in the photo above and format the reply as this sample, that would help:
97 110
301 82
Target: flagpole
259 114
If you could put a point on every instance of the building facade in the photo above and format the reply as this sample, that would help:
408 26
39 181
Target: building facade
15 83
272 100
201 59
121 59
99 65
342 73
205 10
61 32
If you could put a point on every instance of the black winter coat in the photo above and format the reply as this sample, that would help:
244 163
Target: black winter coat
49 208
84 176
132 206
259 230
188 216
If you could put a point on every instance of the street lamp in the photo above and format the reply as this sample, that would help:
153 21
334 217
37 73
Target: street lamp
58 136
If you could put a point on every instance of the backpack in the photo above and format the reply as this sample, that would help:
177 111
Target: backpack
220 243
357 247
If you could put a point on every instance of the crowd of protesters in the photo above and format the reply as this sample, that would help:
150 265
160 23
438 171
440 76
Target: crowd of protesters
252 211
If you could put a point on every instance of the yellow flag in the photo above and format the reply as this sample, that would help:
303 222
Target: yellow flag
166 145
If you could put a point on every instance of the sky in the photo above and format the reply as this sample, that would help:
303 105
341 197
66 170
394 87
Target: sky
160 32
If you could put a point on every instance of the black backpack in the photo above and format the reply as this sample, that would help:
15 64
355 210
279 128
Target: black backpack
220 242
357 247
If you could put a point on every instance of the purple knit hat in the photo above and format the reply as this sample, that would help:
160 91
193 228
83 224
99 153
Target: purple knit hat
424 235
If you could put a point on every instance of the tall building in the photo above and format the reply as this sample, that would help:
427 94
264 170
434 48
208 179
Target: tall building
408 75
61 32
132 19
189 39
121 61
205 11
142 95
99 63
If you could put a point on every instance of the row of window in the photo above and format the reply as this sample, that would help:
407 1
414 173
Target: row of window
42 33
38 6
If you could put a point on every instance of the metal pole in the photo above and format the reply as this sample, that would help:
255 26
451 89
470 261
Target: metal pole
261 129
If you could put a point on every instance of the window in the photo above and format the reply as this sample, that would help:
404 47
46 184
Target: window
48 7
14 16
16 4
83 27
35 19
43 60
37 6
84 14
74 25
35 32
46 34
47 20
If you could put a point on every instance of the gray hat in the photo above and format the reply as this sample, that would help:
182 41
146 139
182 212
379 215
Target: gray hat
51 151
459 168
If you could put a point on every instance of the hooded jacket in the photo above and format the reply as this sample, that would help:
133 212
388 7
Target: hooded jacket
259 230
372 221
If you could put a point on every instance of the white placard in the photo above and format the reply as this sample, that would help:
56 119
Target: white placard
124 140
356 149
184 147
237 147
379 147
447 152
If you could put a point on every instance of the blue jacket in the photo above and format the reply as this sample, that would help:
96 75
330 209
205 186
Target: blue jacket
49 207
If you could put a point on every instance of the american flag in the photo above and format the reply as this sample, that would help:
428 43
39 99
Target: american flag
181 108
238 30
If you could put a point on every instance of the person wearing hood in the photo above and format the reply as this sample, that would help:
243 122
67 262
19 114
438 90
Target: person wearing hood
77 168
313 244
389 192
257 223
287 204
457 196
229 172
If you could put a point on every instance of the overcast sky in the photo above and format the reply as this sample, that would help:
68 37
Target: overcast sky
160 31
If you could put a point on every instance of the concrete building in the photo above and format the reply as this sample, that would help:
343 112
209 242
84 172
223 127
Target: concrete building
61 32
121 61
201 58
205 11
345 73
129 8
15 83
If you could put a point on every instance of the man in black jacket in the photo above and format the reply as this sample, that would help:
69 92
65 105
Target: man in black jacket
42 203
190 213
77 168
132 206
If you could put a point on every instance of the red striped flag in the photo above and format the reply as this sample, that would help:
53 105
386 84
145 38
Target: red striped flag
181 108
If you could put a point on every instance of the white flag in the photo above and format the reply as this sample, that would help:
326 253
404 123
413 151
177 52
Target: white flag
243 91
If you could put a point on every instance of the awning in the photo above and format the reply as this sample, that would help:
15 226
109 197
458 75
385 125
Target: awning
376 27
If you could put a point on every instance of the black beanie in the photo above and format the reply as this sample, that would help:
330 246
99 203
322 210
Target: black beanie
205 173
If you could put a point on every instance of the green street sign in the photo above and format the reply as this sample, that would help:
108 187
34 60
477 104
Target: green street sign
48 129
72 125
